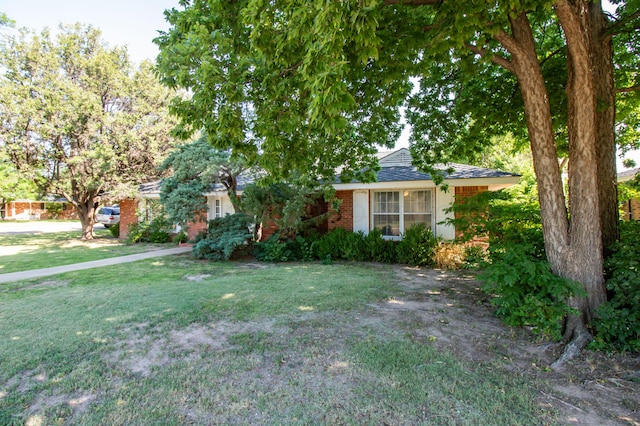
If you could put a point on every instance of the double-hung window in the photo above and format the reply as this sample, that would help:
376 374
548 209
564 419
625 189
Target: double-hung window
395 211
215 208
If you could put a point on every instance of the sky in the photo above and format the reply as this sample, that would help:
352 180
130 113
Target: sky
134 23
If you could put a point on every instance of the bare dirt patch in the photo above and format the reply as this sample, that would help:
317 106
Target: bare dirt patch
450 310
446 309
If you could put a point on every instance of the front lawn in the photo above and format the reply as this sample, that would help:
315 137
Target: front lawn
179 341
23 252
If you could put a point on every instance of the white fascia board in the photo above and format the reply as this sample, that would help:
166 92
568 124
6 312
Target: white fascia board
494 184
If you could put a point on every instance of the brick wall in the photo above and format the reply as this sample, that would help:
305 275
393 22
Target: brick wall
128 216
194 228
463 192
343 218
631 210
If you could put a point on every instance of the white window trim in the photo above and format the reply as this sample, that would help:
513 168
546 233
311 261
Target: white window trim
401 213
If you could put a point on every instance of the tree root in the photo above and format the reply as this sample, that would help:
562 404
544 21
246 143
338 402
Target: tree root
581 337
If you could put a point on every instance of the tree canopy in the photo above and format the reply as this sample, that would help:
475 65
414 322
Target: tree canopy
78 119
315 85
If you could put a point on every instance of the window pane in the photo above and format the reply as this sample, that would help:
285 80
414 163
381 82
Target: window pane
411 219
417 201
386 202
389 224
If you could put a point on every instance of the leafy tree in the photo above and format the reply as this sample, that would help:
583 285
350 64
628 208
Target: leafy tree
314 85
76 118
13 185
196 166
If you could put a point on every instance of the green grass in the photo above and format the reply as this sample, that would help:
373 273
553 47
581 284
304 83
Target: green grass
177 341
22 252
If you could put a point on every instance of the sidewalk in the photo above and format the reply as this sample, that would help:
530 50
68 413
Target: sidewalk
37 273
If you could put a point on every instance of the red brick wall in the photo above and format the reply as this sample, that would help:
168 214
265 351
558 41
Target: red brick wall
343 218
194 228
631 210
463 192
128 216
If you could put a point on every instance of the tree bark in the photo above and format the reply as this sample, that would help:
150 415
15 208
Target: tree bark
602 62
585 263
573 242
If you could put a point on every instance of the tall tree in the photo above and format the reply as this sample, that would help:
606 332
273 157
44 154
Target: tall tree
309 84
78 119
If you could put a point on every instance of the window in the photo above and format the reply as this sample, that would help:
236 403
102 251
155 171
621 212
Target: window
215 208
395 211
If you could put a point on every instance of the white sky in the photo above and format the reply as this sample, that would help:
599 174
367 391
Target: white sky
134 23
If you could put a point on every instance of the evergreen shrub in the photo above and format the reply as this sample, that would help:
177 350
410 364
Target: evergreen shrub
224 237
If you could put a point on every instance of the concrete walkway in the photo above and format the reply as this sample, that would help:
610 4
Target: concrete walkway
37 273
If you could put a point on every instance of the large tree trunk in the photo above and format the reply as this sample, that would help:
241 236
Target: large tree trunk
573 248
586 247
86 206
602 63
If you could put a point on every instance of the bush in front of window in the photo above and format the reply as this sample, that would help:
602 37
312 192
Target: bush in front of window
416 248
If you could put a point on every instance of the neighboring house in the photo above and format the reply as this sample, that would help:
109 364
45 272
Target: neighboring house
401 196
631 208
36 210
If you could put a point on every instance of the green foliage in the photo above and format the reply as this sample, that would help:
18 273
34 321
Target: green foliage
54 209
516 273
114 230
273 250
181 237
525 291
416 247
158 230
224 237
196 166
77 118
617 325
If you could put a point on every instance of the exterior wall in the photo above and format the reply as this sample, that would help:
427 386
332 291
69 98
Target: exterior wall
36 210
463 192
444 200
631 210
128 216
194 228
344 217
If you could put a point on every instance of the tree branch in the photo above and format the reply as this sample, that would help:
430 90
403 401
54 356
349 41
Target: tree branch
496 59
617 26
635 88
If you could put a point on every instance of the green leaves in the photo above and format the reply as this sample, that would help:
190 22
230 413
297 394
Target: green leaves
75 113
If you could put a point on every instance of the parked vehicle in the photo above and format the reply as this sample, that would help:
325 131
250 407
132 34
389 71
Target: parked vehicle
108 216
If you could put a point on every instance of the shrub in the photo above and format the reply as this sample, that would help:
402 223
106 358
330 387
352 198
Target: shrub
474 257
156 231
303 248
273 250
416 248
329 245
115 230
525 291
225 236
617 322
447 255
377 249
180 237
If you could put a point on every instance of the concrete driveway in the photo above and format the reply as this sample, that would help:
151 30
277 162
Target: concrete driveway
40 226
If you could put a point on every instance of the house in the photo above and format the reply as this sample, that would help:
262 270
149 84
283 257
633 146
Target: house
403 195
400 197
630 210
36 210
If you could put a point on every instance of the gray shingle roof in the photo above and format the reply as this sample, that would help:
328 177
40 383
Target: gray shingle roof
154 187
628 174
460 171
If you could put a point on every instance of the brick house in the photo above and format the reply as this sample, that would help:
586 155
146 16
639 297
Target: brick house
630 210
37 210
401 196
